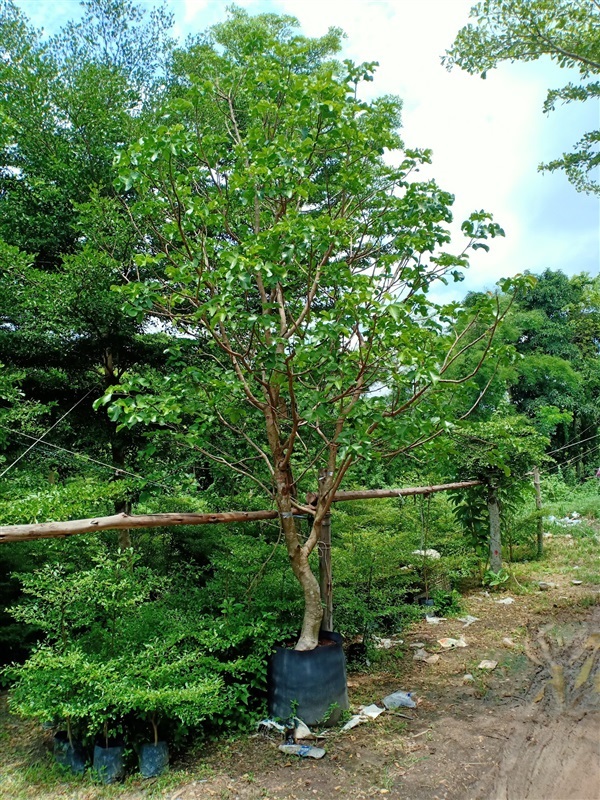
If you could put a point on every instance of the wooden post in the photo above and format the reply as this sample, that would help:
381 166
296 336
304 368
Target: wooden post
325 579
495 533
538 505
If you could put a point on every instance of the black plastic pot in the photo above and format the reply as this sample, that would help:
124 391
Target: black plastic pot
309 684
69 755
109 762
154 759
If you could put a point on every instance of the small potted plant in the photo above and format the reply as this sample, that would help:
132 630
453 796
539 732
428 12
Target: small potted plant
165 683
104 712
51 685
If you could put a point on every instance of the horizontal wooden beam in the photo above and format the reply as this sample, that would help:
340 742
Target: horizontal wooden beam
57 530
52 530
376 494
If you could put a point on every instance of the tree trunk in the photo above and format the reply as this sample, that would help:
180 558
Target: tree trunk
495 533
538 505
313 609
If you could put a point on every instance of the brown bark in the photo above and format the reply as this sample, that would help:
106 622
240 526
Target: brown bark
495 532
50 530
538 505
374 494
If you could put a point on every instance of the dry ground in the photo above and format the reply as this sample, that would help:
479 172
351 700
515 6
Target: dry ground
528 730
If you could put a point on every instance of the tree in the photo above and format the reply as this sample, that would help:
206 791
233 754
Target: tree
274 229
501 453
555 325
568 31
65 106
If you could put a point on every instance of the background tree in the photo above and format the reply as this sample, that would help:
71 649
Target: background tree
555 326
65 105
568 31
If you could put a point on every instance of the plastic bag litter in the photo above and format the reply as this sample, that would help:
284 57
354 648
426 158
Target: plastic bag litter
387 644
435 620
353 722
449 644
372 711
428 658
507 601
468 620
302 731
487 664
302 750
270 725
399 699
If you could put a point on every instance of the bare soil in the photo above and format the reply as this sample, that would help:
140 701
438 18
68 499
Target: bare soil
527 730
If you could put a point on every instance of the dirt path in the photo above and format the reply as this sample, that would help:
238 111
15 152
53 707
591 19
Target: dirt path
527 730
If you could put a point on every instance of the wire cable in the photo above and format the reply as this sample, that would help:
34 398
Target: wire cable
88 458
573 444
37 441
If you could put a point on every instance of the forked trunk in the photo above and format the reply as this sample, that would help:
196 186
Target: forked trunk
313 609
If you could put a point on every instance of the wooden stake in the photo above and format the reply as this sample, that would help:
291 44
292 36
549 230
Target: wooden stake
495 533
538 505
325 578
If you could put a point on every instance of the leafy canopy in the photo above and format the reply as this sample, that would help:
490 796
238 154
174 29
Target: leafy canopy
568 31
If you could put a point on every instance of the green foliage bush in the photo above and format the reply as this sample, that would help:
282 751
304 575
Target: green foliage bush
122 641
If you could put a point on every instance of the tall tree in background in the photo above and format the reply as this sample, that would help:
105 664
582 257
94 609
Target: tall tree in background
568 32
65 106
555 325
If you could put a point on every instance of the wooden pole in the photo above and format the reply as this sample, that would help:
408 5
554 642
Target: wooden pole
376 494
538 505
325 577
495 532
51 530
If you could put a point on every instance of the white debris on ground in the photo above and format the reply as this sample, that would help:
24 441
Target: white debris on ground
468 620
450 644
386 644
302 750
399 699
574 518
435 620
507 601
429 553
487 664
371 712
428 658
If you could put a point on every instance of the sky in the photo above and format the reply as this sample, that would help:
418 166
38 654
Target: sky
487 136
